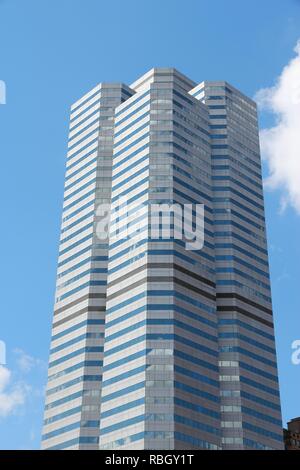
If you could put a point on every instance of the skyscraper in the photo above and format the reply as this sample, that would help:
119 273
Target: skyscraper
156 343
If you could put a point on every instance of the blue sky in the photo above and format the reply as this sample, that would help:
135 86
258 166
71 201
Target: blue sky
51 52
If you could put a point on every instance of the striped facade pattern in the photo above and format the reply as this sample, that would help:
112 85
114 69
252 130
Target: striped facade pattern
75 366
247 358
155 346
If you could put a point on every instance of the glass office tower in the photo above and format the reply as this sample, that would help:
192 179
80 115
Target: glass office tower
249 392
158 343
73 393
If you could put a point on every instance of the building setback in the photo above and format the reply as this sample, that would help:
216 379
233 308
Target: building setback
157 345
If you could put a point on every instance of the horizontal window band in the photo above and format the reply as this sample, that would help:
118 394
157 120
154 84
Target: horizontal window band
261 401
91 259
259 386
236 321
77 366
230 295
77 301
220 200
78 440
241 337
129 167
121 408
132 123
155 322
239 194
75 381
62 415
66 228
89 144
164 307
131 104
191 287
62 430
85 350
206 445
129 136
82 167
78 242
131 114
85 285
88 322
83 337
235 283
255 370
249 354
73 143
162 266
75 107
84 125
161 279
76 233
232 308
92 269
192 274
124 375
235 247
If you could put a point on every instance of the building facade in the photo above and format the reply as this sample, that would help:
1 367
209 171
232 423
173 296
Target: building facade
159 342
292 435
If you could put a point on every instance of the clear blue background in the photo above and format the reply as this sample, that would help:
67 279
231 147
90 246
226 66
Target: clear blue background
53 51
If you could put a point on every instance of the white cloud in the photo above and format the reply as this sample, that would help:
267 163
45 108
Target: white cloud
26 362
281 144
11 395
4 377
14 391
